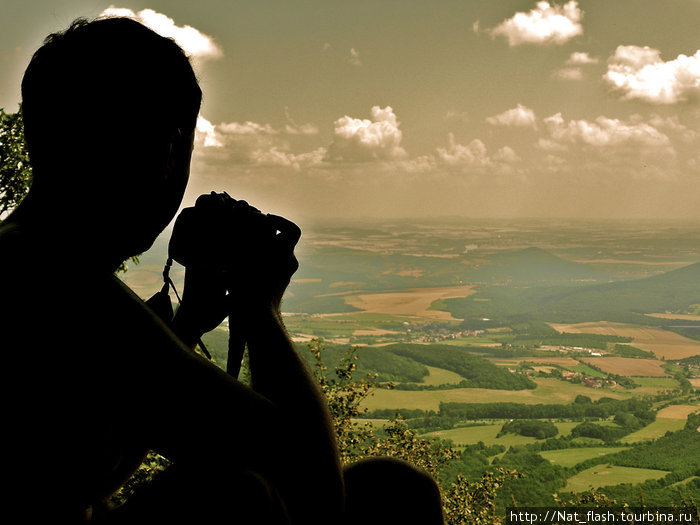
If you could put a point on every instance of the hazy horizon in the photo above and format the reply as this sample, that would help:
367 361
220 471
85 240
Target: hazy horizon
510 109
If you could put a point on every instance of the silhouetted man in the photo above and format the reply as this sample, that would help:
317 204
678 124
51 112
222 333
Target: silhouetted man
92 378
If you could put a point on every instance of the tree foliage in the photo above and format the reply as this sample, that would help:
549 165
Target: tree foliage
15 171
464 502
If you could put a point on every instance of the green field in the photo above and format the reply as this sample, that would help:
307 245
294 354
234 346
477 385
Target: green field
440 376
547 391
683 481
481 340
605 475
654 430
573 456
585 370
663 383
343 325
487 433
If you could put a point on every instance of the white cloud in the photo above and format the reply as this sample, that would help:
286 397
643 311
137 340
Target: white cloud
545 24
580 58
520 116
507 155
609 147
354 58
472 158
604 132
357 140
568 73
195 43
473 154
551 146
252 143
674 125
457 116
639 73
246 128
206 132
275 157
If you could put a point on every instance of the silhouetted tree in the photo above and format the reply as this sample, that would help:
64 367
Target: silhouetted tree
15 171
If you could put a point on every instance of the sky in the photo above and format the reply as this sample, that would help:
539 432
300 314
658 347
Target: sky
406 108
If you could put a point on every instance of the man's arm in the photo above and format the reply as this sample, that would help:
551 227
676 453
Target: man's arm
280 375
280 428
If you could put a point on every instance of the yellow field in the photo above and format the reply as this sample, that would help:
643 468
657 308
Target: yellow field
413 302
663 344
627 366
374 331
547 391
685 317
560 361
677 411
695 382
624 261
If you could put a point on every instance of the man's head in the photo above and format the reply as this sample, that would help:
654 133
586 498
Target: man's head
110 109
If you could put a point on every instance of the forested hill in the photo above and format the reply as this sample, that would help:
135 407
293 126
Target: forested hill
532 266
623 301
476 371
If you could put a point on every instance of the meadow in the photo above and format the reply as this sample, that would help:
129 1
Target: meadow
573 456
547 391
488 434
662 343
606 474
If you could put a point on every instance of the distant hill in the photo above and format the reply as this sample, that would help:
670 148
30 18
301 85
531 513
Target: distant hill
623 301
332 270
532 266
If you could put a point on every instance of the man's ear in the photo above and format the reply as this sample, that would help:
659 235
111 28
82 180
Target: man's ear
173 152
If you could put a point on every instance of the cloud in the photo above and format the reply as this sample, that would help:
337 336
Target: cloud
608 147
639 73
473 154
604 132
275 157
206 132
292 128
580 58
520 116
361 140
568 73
674 125
354 57
195 43
574 72
457 116
545 24
253 144
471 158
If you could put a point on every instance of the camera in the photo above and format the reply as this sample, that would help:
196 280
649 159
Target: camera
235 240
225 234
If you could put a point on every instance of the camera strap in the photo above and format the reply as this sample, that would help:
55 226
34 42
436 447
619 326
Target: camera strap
161 305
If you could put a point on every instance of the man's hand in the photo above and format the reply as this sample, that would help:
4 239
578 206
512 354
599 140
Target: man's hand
204 304
266 269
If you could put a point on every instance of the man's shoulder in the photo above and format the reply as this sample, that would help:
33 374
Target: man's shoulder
35 281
